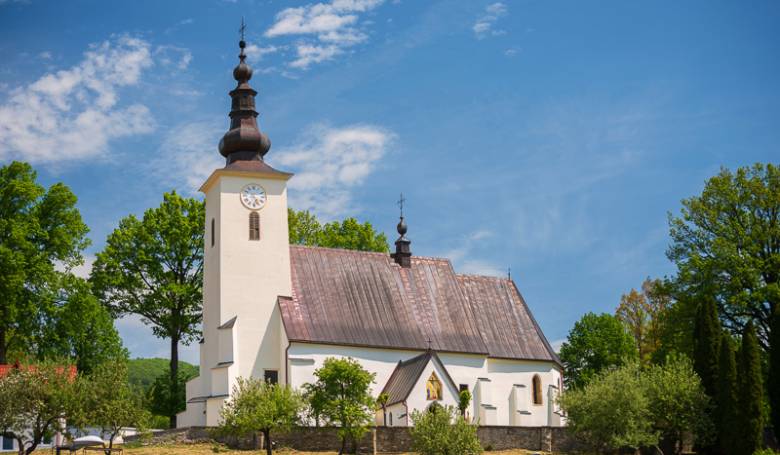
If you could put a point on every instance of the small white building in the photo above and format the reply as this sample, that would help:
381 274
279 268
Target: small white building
276 311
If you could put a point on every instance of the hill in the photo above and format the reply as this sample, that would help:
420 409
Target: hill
142 372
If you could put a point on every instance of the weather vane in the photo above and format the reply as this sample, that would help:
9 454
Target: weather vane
401 204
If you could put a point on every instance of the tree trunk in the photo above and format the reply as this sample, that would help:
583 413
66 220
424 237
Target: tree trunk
174 370
268 445
343 445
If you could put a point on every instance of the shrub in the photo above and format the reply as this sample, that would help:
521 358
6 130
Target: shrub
441 431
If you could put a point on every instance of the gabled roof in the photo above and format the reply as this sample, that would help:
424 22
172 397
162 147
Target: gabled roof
358 298
407 373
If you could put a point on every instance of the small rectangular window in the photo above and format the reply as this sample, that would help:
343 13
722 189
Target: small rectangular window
254 226
391 419
8 442
212 232
462 387
271 376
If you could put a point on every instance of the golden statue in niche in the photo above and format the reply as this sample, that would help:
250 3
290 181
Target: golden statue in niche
433 388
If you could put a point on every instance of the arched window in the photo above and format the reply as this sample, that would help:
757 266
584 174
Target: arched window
254 226
212 232
537 389
433 388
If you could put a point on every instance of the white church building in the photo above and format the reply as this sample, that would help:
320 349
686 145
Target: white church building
276 311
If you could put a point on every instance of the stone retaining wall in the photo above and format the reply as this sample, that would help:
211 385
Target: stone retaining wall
382 439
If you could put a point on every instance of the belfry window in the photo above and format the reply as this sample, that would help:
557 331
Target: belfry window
254 226
537 389
433 388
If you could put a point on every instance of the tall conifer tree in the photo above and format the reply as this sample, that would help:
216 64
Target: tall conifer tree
774 371
727 398
750 395
706 346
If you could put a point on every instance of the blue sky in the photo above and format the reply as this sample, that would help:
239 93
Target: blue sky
552 137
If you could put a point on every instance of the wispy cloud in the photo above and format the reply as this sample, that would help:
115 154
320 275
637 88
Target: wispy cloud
190 154
485 24
464 260
325 29
256 53
330 163
75 113
173 55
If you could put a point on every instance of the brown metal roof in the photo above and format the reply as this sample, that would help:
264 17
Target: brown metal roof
406 375
365 299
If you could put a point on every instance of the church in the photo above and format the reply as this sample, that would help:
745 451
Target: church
276 311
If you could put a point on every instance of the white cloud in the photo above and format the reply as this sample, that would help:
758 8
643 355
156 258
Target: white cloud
173 55
46 55
256 53
326 28
189 154
75 113
556 345
464 261
82 270
330 163
484 25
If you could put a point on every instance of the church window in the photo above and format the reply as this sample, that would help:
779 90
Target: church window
462 387
271 376
433 388
254 226
391 419
537 389
212 232
8 442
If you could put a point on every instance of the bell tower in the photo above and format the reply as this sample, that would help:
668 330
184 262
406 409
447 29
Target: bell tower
246 262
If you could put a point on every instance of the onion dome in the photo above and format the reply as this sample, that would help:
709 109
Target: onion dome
244 141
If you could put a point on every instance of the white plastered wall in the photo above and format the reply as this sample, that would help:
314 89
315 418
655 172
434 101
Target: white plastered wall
503 375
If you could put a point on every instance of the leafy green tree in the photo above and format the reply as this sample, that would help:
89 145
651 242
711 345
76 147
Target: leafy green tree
677 401
78 327
727 404
464 400
381 401
706 344
165 400
750 419
34 402
344 386
257 405
595 343
349 234
109 402
641 314
612 411
39 230
153 267
726 244
440 431
774 372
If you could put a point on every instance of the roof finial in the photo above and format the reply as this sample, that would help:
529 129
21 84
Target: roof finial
403 253
242 29
429 343
509 272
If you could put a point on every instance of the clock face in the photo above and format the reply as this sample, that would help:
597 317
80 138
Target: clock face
253 196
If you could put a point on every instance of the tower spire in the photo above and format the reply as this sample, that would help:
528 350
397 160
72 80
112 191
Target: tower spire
244 141
403 251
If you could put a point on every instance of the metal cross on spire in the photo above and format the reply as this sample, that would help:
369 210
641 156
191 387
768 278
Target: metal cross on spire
401 204
429 343
242 29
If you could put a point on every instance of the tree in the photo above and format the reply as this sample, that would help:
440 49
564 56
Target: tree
39 230
381 401
315 399
612 411
110 403
726 244
774 372
35 401
677 402
77 327
257 405
464 399
641 314
595 343
440 431
706 344
727 404
165 400
750 394
153 267
347 402
350 234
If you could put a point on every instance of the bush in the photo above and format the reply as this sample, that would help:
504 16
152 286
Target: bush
441 431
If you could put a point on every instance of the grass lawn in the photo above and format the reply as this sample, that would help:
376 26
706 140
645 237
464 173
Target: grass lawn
210 449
